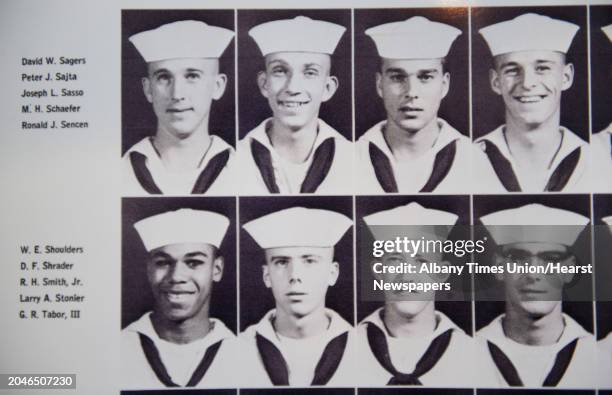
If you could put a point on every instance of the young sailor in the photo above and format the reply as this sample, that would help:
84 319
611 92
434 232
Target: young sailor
300 342
531 152
294 151
534 344
182 81
178 344
413 150
407 341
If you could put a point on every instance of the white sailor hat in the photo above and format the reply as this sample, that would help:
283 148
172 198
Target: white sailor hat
608 31
608 221
414 38
182 39
300 34
534 223
182 226
411 220
529 32
298 227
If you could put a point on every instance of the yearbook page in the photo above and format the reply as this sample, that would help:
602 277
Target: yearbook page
325 197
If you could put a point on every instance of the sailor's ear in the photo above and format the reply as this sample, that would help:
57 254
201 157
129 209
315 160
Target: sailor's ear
494 81
146 88
568 76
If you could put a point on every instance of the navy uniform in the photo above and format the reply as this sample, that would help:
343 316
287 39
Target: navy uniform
445 166
434 359
149 361
569 362
271 359
144 172
328 167
326 171
325 358
495 168
496 171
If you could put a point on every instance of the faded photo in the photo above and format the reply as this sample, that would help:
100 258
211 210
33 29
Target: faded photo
413 338
534 333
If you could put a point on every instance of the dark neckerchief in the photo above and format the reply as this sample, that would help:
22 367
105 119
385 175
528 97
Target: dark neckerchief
384 171
431 356
322 160
503 169
152 355
510 374
276 366
206 178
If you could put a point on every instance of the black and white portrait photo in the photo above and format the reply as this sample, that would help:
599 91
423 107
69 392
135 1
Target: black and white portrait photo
178 293
411 101
530 99
296 298
413 338
537 329
178 112
295 102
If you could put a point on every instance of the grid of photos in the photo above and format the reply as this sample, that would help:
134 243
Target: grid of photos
266 152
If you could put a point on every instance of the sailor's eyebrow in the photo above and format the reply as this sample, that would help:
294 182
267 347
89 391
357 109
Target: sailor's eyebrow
428 71
273 257
310 256
160 71
508 64
391 70
276 61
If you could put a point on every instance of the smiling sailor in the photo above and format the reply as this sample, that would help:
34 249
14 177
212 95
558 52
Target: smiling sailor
535 344
183 79
300 342
413 150
408 341
531 152
295 151
178 344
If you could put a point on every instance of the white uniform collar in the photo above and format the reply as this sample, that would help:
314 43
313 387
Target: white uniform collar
144 326
324 132
494 332
444 323
569 143
447 135
145 147
337 326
